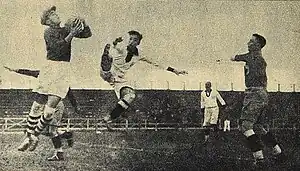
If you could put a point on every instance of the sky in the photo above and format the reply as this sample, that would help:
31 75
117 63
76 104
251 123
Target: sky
190 35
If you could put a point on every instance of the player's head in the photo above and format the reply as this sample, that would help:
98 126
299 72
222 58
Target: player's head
256 42
134 38
208 85
50 17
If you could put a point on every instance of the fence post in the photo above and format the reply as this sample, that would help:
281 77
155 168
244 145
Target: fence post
88 123
126 124
168 85
200 85
278 87
183 85
231 86
294 87
68 124
5 125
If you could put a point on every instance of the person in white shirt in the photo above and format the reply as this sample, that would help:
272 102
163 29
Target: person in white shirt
209 107
116 60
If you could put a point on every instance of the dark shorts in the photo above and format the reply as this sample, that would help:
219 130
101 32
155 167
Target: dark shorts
255 105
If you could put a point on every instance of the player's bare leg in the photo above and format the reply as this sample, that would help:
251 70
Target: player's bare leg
35 114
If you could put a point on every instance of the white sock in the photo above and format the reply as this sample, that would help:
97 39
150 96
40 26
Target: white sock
276 150
249 133
59 150
258 154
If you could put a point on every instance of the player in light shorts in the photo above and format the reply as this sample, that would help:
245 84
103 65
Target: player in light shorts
51 129
210 108
54 75
116 60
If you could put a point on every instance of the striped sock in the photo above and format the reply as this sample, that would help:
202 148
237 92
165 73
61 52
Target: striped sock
45 119
43 122
34 116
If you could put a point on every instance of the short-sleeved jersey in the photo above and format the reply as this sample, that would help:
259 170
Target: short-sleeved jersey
254 69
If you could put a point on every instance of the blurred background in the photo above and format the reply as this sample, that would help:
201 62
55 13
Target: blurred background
199 36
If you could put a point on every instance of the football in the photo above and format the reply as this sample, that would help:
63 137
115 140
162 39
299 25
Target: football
73 21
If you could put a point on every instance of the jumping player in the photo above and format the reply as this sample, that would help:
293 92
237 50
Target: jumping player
256 101
209 107
54 76
117 59
51 129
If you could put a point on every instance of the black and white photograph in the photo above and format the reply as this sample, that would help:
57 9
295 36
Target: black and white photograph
149 85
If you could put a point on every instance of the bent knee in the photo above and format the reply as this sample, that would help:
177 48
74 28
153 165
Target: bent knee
48 112
245 126
128 94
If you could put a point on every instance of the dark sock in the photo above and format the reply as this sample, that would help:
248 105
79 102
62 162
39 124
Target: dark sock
117 111
214 127
269 140
254 143
207 130
66 135
56 142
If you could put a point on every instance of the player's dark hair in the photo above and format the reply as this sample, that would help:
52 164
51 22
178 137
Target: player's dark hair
261 40
133 32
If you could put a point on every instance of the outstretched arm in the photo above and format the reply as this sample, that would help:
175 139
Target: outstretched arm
243 57
32 73
171 69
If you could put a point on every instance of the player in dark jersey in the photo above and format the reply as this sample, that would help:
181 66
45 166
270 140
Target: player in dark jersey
256 101
52 129
54 75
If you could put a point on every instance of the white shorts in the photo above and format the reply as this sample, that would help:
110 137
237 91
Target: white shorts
211 116
54 79
115 82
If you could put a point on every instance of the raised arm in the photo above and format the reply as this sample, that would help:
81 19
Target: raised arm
86 32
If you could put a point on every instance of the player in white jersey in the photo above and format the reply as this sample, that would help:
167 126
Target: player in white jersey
117 59
209 107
